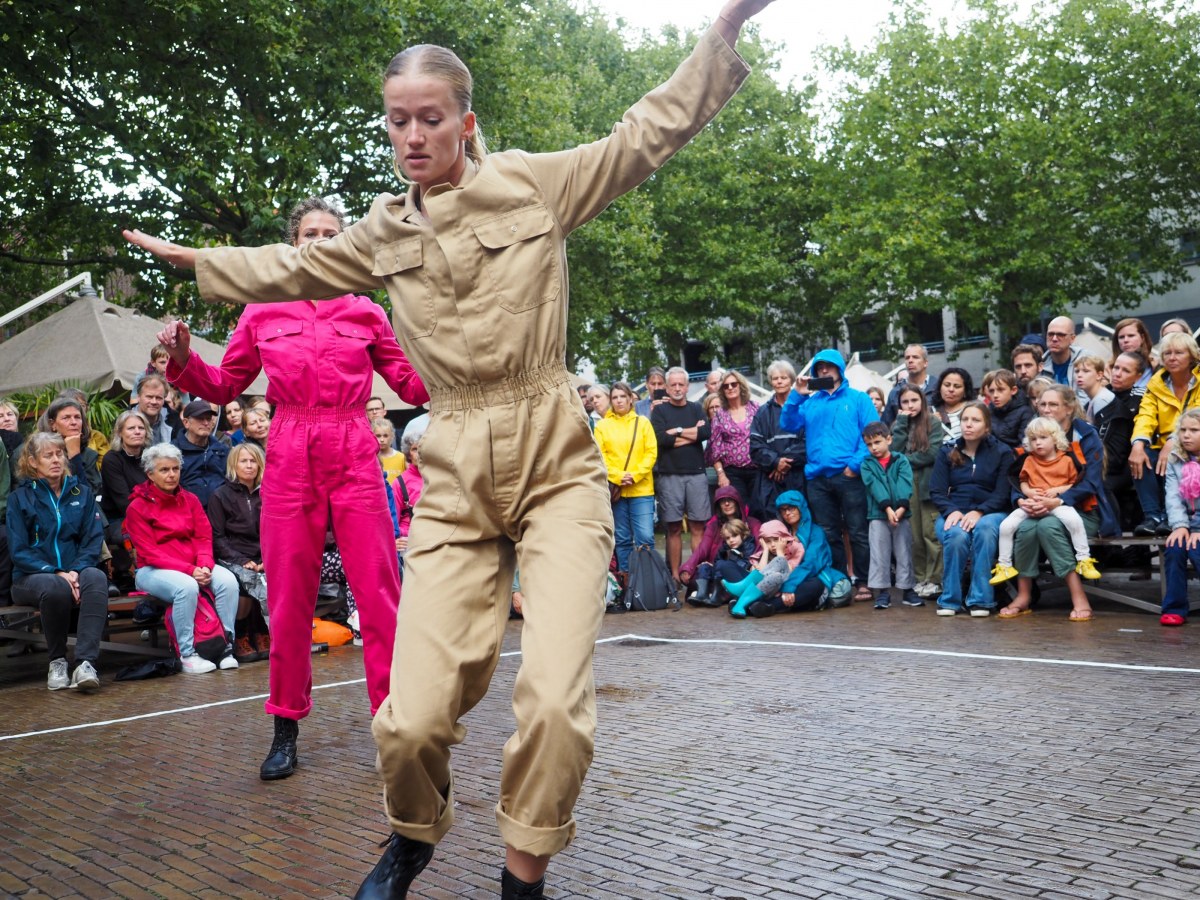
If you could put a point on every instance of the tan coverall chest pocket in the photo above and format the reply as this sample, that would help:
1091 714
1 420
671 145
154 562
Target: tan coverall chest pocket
520 257
401 266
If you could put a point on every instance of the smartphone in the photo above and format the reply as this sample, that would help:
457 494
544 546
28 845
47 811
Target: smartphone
660 394
821 384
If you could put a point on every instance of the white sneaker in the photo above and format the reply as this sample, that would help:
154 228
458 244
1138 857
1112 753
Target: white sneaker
57 678
196 665
227 662
85 677
931 590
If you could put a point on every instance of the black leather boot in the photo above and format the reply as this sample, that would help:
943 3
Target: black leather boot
401 862
513 888
281 761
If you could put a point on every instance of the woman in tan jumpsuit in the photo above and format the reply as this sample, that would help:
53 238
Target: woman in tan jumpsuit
474 259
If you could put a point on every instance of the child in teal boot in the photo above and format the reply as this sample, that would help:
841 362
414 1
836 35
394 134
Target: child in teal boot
779 555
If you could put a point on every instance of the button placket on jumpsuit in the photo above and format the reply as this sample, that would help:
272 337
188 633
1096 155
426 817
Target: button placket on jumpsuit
512 474
322 466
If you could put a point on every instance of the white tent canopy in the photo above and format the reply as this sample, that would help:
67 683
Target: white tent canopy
102 345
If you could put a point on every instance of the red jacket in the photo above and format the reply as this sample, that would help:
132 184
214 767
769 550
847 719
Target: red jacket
169 531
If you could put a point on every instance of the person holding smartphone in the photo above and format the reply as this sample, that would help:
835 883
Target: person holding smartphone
833 415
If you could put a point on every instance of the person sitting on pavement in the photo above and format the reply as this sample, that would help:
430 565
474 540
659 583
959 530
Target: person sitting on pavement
779 553
1011 409
1042 532
1132 336
970 489
918 436
917 374
733 559
698 569
1173 389
728 449
815 582
1045 471
955 390
778 453
1183 515
120 472
204 457
235 513
151 403
65 417
172 539
833 417
55 538
680 485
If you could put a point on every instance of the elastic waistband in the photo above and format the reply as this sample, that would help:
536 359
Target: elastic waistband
499 393
320 413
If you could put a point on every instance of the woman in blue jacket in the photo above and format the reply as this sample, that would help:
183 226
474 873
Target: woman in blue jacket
808 585
970 489
54 537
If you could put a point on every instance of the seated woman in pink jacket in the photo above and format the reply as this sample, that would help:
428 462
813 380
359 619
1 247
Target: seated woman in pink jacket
321 465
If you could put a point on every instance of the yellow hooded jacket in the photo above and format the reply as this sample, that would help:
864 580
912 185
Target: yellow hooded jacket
615 434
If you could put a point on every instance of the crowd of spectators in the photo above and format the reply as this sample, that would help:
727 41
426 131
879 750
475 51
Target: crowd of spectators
910 490
932 491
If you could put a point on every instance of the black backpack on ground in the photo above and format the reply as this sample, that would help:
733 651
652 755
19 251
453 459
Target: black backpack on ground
650 585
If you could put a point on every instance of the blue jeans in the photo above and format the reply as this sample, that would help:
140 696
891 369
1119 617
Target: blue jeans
1175 561
979 547
633 525
841 502
181 592
1149 488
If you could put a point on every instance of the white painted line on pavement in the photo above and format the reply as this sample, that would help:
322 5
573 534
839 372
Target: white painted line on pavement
916 651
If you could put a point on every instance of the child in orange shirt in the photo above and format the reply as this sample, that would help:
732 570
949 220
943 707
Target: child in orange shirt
1047 470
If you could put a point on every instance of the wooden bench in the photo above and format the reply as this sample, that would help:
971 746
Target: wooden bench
26 615
1155 545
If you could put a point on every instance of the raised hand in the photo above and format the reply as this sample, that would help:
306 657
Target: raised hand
177 338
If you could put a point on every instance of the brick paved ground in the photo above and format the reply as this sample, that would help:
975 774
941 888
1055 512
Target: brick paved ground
750 763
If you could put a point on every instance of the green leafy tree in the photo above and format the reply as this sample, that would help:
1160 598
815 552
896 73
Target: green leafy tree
1012 166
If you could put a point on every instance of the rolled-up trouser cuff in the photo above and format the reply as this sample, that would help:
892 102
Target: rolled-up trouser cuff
426 834
532 840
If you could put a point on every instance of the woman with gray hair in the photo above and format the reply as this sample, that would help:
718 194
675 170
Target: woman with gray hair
407 488
172 538
55 539
778 454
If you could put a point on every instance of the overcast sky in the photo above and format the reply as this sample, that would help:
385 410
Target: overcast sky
803 25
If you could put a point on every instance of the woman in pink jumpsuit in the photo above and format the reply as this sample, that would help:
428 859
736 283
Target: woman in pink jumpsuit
321 465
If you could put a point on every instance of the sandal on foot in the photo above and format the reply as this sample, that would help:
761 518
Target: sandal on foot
862 594
1081 615
1012 612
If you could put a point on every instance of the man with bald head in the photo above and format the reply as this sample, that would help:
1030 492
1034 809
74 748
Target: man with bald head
1059 361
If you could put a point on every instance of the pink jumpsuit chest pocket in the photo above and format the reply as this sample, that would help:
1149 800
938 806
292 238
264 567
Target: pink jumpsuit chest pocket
352 349
401 266
283 346
520 257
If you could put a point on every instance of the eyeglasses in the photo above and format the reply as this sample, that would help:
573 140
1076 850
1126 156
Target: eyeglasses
731 384
1057 334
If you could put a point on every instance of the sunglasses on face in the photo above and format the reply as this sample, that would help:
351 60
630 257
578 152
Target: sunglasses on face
730 384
